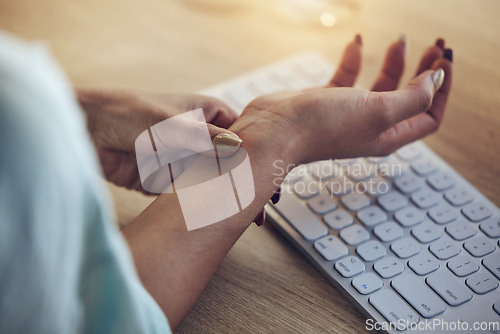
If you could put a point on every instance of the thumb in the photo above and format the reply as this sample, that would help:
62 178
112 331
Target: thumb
224 141
412 100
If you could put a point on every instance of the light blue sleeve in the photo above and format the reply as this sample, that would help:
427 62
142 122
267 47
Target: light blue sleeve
64 266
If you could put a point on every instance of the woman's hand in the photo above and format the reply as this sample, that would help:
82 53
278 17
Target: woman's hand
341 122
116 118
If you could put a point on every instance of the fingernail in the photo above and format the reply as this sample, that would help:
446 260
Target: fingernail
276 197
448 54
358 39
403 39
440 43
438 78
226 143
261 217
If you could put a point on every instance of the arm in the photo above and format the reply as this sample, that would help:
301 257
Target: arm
175 265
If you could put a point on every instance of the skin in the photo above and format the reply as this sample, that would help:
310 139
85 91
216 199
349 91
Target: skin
297 127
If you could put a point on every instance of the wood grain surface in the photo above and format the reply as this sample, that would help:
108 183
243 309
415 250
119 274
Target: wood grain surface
264 285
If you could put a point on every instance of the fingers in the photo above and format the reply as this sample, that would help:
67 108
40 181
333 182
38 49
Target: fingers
431 55
217 112
349 65
441 98
393 67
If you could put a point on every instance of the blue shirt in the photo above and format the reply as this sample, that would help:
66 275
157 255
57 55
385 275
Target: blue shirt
64 265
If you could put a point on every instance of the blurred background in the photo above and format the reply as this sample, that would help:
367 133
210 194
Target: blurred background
180 46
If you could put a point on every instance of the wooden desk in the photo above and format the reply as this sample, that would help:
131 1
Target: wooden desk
264 285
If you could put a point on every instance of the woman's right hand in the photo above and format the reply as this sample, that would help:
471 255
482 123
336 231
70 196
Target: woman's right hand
342 122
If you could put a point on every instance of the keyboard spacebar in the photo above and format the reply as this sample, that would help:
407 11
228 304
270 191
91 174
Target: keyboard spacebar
301 219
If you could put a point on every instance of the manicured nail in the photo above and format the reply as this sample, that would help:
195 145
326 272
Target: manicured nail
403 39
438 78
226 143
440 43
358 39
448 54
276 197
261 217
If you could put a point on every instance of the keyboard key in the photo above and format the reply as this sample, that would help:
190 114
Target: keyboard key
394 309
441 181
443 213
283 72
491 227
461 229
482 283
355 201
409 152
409 183
476 212
322 204
427 232
367 283
371 250
360 171
392 168
323 170
376 186
418 295
496 307
458 196
338 219
406 247
462 266
409 216
424 166
240 95
345 162
296 174
448 288
311 66
354 234
388 267
377 160
331 248
426 198
263 84
479 246
393 201
423 264
388 231
492 263
306 189
350 266
339 186
372 216
300 218
444 249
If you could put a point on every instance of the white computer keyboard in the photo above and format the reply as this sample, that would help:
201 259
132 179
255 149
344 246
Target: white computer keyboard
405 237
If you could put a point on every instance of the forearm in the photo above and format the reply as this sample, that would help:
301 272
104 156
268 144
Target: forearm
175 264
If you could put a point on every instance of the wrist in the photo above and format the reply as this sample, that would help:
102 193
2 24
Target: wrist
271 158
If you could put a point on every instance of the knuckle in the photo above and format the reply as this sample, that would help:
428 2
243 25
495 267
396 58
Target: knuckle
424 99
